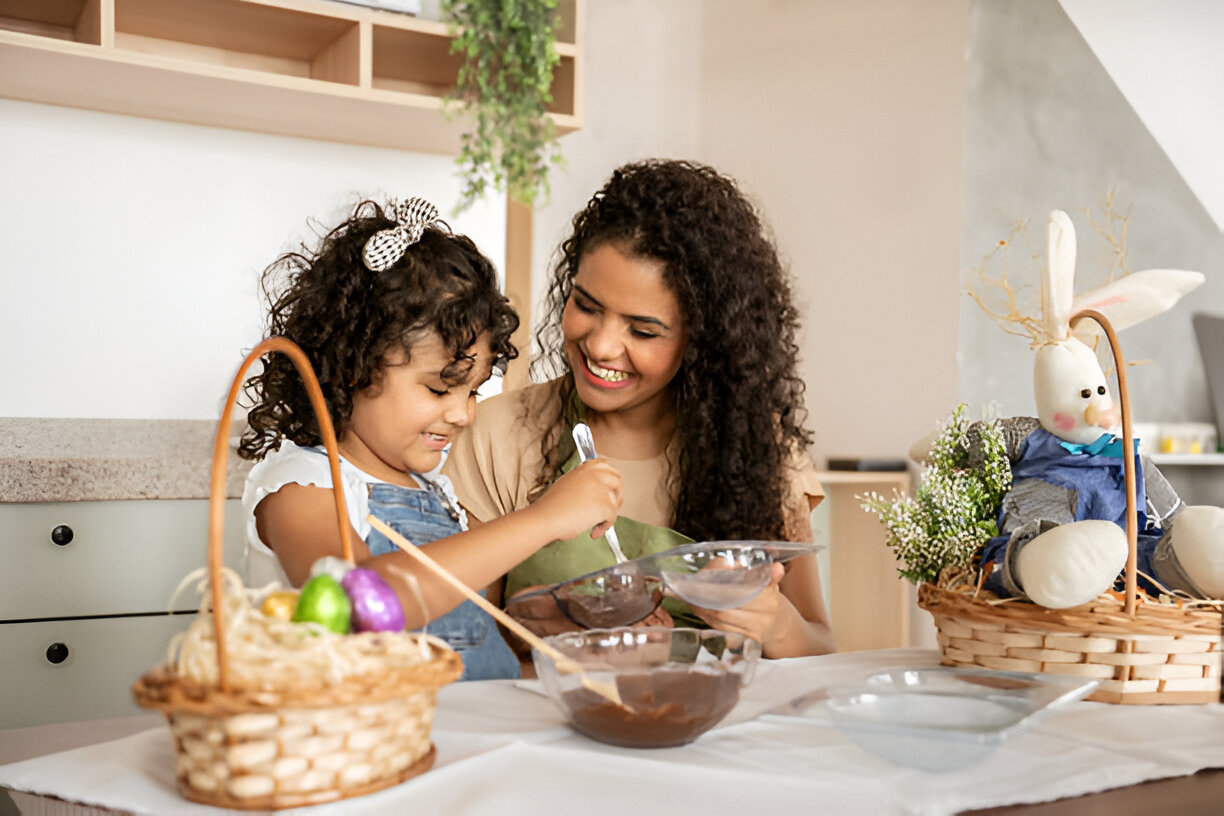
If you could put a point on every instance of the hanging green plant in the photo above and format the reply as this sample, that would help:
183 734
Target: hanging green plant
504 88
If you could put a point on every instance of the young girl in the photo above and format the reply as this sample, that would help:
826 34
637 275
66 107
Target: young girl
670 322
402 321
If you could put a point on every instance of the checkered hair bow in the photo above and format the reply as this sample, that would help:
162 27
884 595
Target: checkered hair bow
385 247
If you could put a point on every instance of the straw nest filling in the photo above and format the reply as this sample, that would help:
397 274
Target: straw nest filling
272 662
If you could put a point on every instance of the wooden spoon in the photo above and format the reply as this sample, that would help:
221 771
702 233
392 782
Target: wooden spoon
565 665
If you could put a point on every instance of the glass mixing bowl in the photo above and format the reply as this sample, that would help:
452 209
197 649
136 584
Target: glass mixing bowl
713 575
941 719
721 574
675 684
619 595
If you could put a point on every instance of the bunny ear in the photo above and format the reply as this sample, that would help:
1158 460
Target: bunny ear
1134 298
1058 289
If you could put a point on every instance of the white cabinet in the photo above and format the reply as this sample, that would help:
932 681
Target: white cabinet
99 660
85 600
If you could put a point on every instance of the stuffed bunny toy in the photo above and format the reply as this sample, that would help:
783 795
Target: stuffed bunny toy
1063 538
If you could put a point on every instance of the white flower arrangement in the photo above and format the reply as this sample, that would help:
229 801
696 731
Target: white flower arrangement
956 506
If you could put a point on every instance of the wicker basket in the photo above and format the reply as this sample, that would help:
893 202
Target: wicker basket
1142 651
312 742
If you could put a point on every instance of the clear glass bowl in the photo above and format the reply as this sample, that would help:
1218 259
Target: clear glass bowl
940 719
712 575
676 684
619 595
721 574
709 574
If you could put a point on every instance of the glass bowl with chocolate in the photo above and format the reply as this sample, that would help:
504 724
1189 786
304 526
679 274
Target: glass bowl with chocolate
619 595
674 683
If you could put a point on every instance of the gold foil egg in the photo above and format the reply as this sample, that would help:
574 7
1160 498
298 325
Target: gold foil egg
280 604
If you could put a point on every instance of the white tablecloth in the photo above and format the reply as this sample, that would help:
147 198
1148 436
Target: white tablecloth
505 749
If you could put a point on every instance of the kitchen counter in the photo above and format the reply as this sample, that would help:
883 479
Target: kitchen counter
57 460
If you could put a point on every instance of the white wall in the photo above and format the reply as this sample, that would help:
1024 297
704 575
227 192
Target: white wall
844 121
1167 61
642 97
133 248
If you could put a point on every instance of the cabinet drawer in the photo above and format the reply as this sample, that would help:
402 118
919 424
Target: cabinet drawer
101 659
70 559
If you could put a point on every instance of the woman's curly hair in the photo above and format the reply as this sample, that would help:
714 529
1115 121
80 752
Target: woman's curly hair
346 318
737 394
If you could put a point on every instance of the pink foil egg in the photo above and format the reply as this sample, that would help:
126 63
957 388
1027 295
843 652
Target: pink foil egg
376 607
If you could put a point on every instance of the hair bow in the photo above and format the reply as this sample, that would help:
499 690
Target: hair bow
385 247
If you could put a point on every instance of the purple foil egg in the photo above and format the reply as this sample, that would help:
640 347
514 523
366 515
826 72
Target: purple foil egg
376 607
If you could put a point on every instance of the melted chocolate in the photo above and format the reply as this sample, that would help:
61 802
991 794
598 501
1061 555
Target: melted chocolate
664 708
602 605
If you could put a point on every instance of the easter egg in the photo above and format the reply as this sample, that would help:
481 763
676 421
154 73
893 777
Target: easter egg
337 568
376 607
323 601
280 604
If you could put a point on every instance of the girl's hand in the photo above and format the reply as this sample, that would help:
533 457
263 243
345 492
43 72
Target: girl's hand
587 498
761 618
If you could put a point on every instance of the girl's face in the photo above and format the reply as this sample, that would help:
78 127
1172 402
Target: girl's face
401 423
624 333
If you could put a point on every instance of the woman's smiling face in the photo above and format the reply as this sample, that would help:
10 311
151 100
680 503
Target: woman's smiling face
624 332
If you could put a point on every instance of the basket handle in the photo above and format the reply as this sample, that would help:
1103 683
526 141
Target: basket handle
216 492
1128 458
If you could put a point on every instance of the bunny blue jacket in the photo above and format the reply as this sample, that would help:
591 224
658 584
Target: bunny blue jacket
1055 483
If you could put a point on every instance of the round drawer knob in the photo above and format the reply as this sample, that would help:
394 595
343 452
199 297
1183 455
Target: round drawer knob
57 653
61 535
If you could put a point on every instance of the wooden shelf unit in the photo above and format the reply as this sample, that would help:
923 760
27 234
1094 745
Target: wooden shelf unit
870 605
308 68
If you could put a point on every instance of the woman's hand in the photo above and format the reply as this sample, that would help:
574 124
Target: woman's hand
587 498
659 617
761 618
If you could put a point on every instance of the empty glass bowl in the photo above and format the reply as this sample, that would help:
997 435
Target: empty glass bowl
675 683
619 595
940 719
713 575
721 574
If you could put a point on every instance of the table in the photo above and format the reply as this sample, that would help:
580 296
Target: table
503 748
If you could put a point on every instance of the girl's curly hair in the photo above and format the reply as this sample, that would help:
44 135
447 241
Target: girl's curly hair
737 394
346 318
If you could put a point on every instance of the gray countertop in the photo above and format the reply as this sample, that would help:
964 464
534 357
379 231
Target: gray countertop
45 460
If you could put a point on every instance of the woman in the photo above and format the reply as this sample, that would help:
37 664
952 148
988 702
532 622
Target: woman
670 332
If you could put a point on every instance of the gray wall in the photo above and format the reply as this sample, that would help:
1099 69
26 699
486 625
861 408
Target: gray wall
1046 128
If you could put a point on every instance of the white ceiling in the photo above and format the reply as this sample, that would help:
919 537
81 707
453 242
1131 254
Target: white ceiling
1167 58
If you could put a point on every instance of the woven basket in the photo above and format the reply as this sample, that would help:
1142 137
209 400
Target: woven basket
315 741
1142 651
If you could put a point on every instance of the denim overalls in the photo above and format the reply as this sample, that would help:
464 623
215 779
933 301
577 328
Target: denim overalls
423 516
